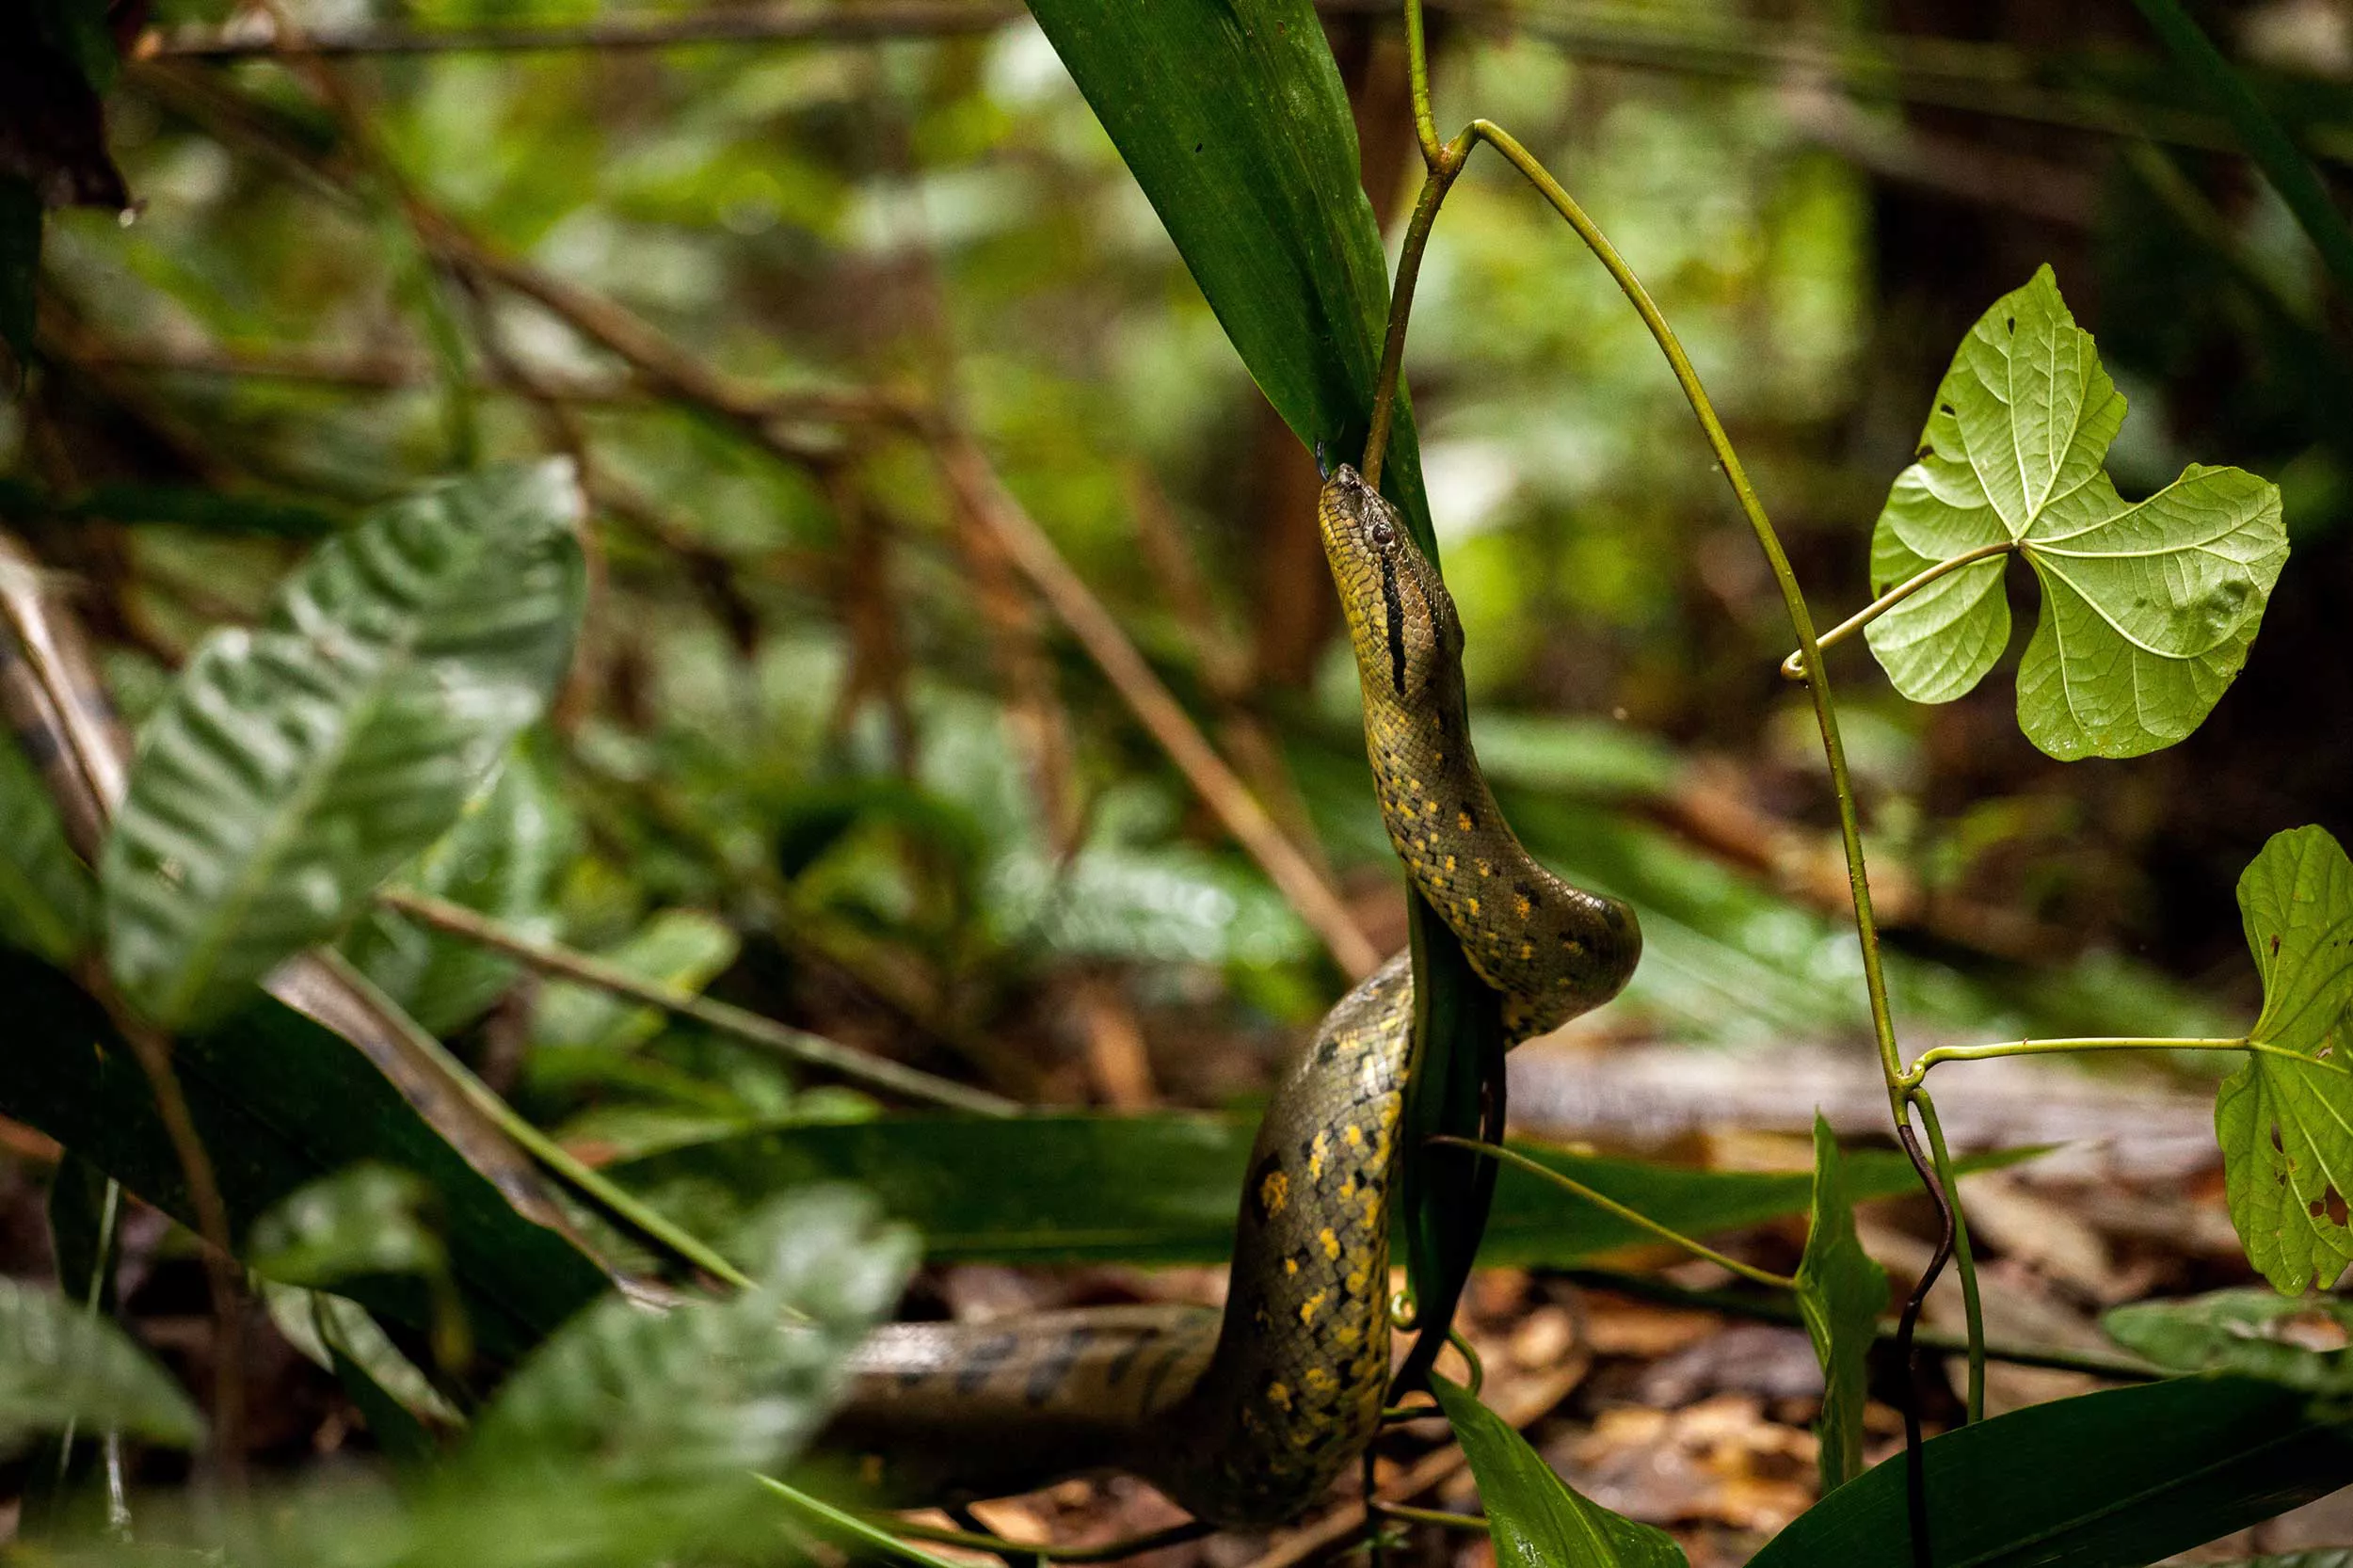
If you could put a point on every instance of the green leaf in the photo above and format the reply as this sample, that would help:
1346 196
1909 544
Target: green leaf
2285 1121
624 1395
684 949
366 1220
2328 1556
1231 116
293 768
2147 607
402 1406
1537 1521
1841 1293
2113 1480
281 1101
1072 1186
2254 1332
46 895
502 859
59 1365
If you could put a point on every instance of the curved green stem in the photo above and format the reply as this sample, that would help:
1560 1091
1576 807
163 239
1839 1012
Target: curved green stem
1909 1078
1965 1261
1444 166
1794 667
1793 596
1749 1272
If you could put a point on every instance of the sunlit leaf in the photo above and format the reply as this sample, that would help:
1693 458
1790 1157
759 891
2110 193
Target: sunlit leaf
501 859
2148 606
2114 1479
296 766
46 895
1536 1520
2285 1117
338 1335
59 1365
1841 1293
2296 1341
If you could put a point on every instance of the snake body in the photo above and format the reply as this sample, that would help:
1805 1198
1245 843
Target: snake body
1245 1417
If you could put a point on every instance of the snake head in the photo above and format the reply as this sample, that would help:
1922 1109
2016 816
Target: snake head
1401 618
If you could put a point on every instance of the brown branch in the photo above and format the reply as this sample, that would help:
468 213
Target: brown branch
984 495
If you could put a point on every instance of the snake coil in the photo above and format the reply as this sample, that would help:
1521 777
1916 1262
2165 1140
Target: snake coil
1245 1417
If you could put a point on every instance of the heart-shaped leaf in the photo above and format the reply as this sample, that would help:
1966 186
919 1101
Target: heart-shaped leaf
293 767
2285 1117
1841 1293
1536 1520
2148 606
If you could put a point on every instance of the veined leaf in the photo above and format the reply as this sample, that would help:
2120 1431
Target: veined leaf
2254 1332
502 859
2285 1121
2115 1480
1841 1293
370 1219
60 1366
1537 1521
46 896
293 768
2148 606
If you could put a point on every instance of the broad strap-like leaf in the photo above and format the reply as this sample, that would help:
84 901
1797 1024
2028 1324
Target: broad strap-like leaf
2285 1121
61 1365
502 859
47 899
2148 606
293 767
2115 1480
625 1395
1535 1519
1841 1293
2250 1332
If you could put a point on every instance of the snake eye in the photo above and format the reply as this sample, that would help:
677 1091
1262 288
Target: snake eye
1382 533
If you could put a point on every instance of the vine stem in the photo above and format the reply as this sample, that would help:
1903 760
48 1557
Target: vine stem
1794 667
1912 1076
1749 1272
1965 1261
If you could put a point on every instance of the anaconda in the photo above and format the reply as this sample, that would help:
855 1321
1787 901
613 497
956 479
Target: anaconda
1246 1417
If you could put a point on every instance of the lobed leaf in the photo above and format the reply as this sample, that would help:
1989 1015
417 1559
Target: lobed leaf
60 1366
2284 1118
1536 1519
293 767
2147 607
1841 1293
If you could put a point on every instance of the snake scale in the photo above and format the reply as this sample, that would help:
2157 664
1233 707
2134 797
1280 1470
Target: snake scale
1246 1417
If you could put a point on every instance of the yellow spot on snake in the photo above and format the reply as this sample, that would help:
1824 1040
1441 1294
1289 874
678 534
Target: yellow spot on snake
1279 1395
1520 905
1450 862
1474 904
1317 1378
1353 1133
1347 1335
1462 820
1331 1240
1528 951
1290 1265
1307 1308
1316 1154
1486 868
1275 1192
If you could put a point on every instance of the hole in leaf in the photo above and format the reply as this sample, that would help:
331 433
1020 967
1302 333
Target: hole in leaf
1943 407
2275 1139
2010 325
1922 453
2275 944
2338 1213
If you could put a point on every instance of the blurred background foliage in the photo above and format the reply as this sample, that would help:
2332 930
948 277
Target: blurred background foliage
824 751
